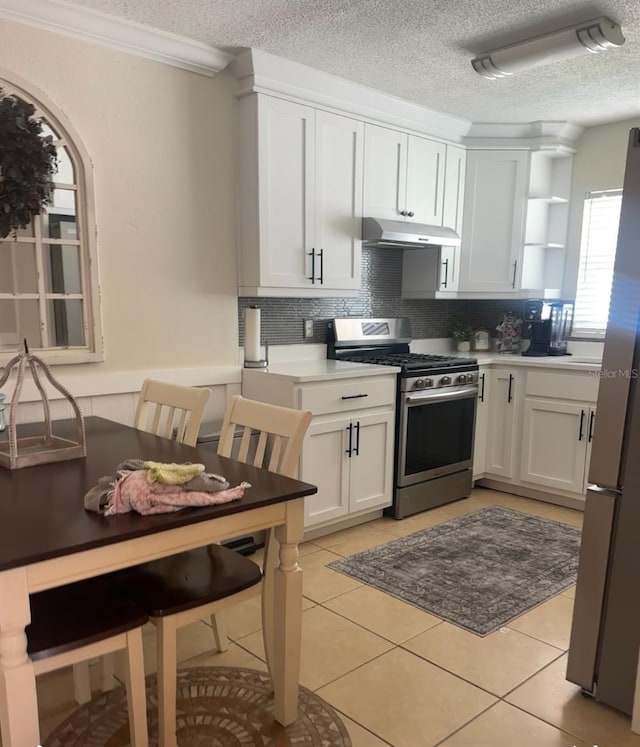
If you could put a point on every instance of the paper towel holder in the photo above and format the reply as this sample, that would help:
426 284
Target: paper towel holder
262 363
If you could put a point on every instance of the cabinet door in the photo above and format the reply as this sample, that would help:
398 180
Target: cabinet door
502 423
385 173
494 208
371 462
324 462
449 268
482 425
554 444
425 180
286 184
453 198
338 199
587 461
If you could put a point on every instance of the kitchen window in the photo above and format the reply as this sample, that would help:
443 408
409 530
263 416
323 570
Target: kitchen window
597 254
48 271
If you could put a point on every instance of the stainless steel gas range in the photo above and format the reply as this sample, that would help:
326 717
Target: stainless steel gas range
435 411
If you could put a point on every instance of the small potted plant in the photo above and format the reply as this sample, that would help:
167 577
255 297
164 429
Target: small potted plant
463 335
28 160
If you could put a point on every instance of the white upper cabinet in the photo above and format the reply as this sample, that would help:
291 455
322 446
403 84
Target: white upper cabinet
338 199
454 179
403 176
435 272
286 162
494 210
425 180
385 173
299 205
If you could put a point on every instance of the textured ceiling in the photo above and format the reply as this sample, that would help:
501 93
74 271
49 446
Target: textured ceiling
420 49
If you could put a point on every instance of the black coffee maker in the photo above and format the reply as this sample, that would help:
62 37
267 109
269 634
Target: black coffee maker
547 324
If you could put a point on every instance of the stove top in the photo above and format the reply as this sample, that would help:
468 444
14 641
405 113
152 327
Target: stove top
386 342
411 361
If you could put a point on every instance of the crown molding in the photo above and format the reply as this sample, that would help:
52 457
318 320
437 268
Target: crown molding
92 26
548 136
261 72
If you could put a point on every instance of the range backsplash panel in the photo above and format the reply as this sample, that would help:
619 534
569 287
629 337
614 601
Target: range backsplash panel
379 296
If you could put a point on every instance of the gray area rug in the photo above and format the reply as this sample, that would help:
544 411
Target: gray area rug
478 571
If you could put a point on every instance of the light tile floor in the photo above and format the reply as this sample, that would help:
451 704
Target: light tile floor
402 677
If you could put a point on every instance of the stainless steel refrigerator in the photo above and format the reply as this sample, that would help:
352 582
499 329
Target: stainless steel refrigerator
605 634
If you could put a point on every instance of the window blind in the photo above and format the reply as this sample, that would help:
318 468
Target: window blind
597 255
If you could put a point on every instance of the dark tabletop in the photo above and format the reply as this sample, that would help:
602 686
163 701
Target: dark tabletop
42 512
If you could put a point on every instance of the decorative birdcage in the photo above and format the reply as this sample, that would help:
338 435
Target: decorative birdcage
33 450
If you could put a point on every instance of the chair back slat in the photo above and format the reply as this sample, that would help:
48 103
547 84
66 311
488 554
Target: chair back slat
245 442
285 425
261 448
274 459
182 425
188 402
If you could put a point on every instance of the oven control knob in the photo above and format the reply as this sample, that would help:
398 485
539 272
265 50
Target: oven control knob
463 378
428 383
419 384
445 380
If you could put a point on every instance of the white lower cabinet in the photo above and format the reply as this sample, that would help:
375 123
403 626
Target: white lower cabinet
348 450
502 422
534 431
482 423
556 444
555 436
351 462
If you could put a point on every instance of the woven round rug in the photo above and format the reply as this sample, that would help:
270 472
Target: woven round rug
216 707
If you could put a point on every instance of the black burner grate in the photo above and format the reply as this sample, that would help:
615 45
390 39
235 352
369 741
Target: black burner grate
410 361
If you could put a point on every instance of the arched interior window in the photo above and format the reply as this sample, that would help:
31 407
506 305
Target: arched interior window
48 271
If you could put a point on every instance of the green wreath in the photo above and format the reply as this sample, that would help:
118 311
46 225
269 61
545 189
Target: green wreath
28 161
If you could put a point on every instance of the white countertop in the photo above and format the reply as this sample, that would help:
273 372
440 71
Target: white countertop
317 370
556 362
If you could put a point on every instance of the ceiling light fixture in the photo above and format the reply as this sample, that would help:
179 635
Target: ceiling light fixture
592 37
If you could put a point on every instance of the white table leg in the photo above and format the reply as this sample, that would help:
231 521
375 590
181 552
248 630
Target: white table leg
287 616
269 565
18 699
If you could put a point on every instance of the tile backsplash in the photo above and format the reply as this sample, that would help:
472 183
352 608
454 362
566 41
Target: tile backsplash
379 296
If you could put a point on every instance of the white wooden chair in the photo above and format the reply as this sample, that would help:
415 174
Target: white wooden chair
74 623
164 408
189 586
171 411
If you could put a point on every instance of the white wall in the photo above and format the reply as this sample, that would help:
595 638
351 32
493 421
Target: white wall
162 143
598 164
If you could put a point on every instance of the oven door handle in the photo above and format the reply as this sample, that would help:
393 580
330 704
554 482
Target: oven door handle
425 399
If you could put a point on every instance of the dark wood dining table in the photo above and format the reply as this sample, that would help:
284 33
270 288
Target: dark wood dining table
47 539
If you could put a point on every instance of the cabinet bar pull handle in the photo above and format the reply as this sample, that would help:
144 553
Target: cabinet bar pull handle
515 270
321 266
312 254
591 419
482 390
354 396
357 447
581 433
350 429
446 272
509 397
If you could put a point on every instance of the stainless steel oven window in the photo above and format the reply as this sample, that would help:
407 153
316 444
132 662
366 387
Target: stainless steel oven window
436 434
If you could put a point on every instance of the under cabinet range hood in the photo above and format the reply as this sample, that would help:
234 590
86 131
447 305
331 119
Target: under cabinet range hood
396 233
